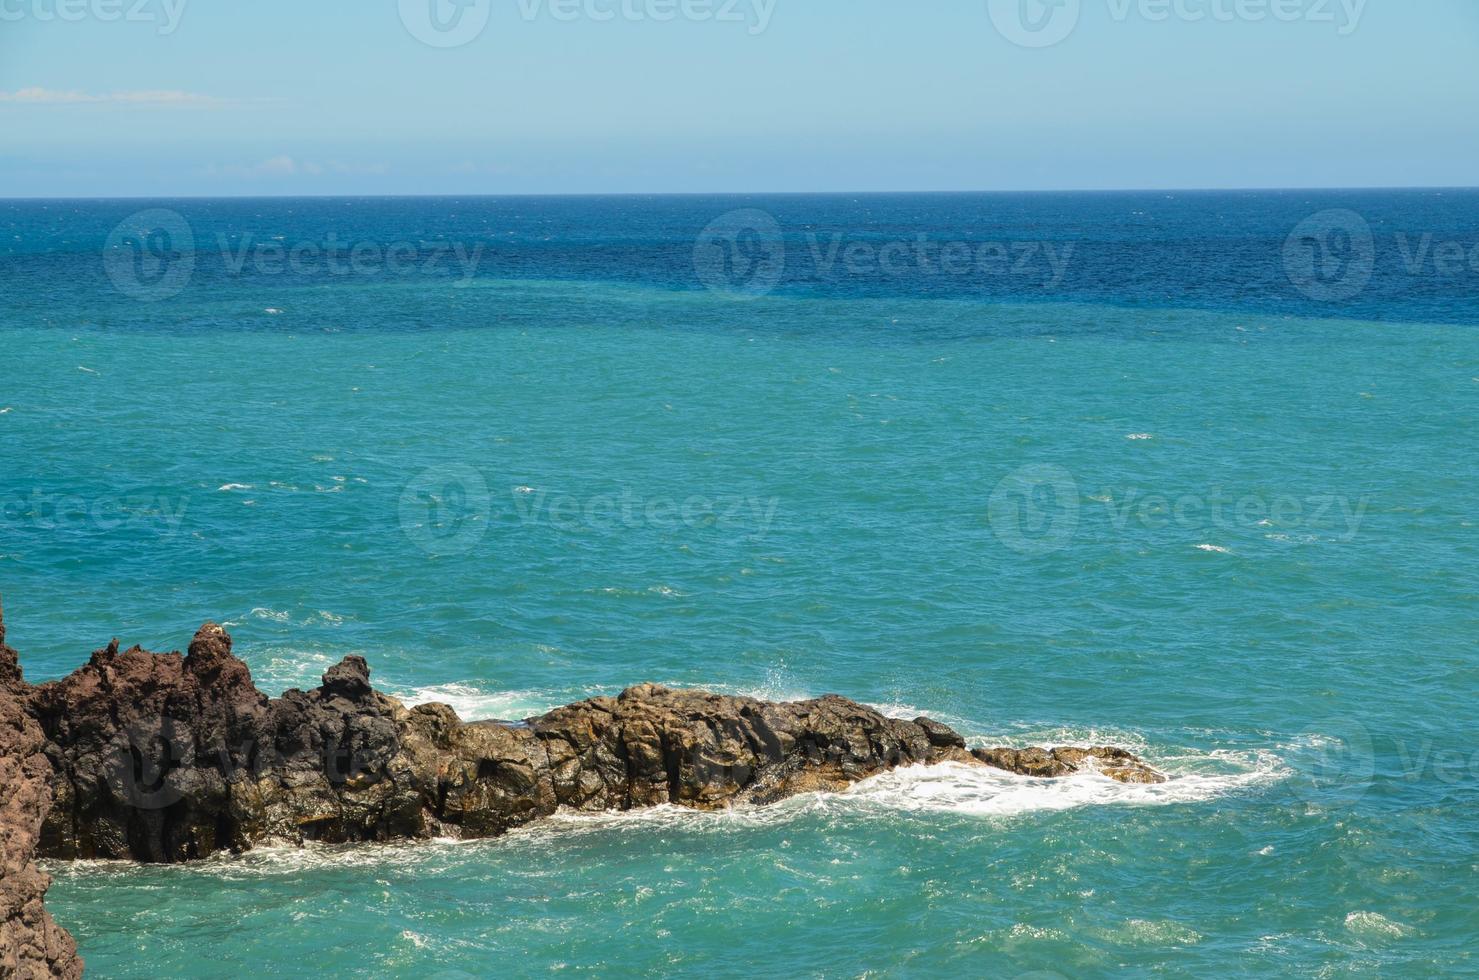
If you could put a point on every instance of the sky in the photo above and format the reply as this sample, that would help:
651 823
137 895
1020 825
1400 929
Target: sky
104 98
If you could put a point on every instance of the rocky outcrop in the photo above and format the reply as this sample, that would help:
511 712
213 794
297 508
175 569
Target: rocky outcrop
31 944
173 757
170 757
1052 763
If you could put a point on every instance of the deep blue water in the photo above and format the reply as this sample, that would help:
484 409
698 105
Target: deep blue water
1161 250
1190 473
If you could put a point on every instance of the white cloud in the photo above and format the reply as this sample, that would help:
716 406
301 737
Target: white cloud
286 166
45 96
467 167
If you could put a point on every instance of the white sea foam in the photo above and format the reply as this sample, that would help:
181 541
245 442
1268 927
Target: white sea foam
1215 548
982 791
1196 775
1374 924
1156 932
228 487
288 668
474 704
952 789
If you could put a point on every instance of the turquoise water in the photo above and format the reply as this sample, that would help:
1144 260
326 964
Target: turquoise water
1238 542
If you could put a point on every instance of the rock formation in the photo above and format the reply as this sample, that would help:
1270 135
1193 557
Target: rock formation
31 944
164 757
171 757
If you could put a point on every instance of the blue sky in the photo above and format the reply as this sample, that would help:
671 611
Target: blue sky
189 97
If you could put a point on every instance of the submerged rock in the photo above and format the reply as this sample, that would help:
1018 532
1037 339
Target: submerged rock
164 757
1115 763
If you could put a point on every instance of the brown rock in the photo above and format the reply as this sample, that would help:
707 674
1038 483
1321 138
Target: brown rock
31 943
167 758
1051 763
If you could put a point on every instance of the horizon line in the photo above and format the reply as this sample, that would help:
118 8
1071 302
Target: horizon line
733 193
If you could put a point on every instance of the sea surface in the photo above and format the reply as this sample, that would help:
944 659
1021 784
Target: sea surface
1189 473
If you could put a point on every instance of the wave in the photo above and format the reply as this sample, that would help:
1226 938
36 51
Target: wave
1197 774
474 704
952 789
982 791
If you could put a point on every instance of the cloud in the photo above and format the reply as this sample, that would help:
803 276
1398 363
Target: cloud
164 97
285 166
468 168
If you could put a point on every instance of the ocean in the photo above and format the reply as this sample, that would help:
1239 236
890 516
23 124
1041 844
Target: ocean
1188 473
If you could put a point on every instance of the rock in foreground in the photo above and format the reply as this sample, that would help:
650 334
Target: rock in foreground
164 757
31 944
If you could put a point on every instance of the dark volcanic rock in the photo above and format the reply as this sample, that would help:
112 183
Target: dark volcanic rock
31 944
163 757
1114 763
